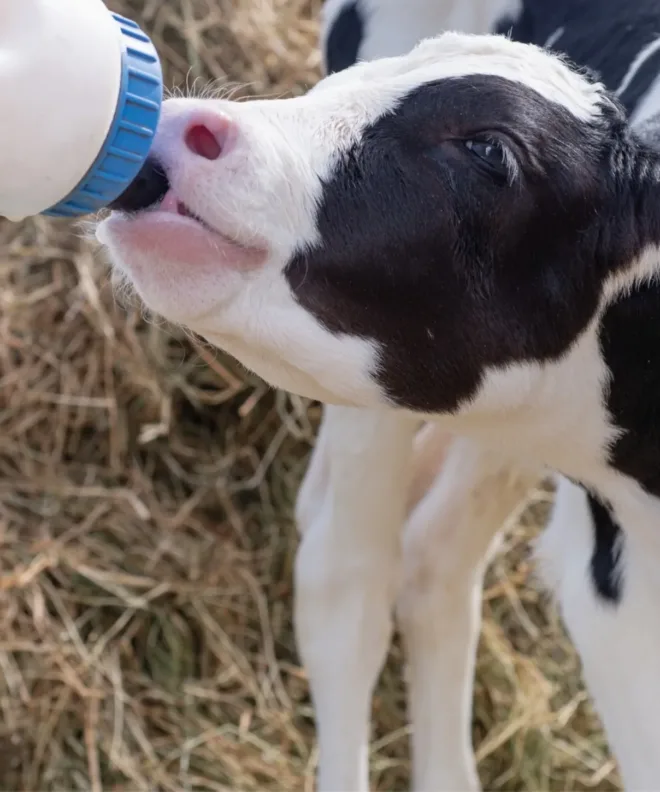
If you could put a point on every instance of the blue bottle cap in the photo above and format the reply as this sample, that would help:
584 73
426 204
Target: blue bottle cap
132 131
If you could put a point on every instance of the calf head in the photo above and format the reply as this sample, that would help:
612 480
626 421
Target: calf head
401 230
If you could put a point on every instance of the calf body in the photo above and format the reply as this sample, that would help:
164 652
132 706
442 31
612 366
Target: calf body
466 234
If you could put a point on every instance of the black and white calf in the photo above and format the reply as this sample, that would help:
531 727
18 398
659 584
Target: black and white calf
465 235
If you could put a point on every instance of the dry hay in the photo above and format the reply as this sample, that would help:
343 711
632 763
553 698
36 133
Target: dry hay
146 540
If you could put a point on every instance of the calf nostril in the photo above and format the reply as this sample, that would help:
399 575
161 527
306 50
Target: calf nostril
201 141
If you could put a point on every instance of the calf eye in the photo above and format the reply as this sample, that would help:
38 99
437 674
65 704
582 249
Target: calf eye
489 153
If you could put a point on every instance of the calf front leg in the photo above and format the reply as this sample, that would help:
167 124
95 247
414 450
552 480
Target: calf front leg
346 578
446 546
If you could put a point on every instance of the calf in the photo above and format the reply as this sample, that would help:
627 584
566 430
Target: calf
467 235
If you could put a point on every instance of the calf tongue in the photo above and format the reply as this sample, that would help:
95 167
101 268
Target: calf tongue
171 203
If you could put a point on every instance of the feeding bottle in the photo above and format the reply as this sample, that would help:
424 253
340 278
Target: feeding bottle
80 98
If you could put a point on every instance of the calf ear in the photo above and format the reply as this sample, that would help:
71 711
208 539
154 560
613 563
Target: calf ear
342 32
631 215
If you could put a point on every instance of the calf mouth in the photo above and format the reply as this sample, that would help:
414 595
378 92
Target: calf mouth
169 229
172 204
148 188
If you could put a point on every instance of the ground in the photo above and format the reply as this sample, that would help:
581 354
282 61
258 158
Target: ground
146 535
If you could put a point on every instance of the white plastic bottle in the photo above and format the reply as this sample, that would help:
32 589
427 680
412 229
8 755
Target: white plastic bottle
80 97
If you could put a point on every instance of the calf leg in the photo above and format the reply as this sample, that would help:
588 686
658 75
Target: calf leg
430 450
314 485
613 622
346 578
445 551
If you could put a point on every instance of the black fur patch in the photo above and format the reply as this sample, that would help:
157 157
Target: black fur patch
604 36
630 339
448 269
605 557
344 39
